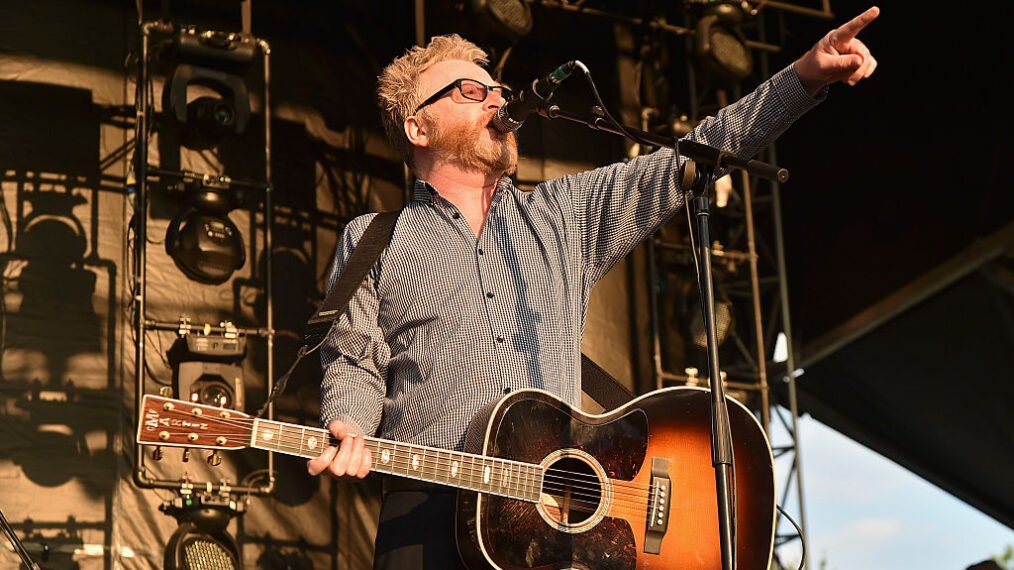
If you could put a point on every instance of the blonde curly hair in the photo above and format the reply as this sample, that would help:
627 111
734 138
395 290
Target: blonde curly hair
398 85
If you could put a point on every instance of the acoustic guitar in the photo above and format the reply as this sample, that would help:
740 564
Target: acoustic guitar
543 485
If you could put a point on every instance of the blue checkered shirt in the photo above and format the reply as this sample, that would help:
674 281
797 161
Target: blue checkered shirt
446 322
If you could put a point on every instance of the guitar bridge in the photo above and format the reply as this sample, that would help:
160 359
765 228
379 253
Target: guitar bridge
658 505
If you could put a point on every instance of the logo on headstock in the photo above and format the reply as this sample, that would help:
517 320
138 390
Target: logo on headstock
153 421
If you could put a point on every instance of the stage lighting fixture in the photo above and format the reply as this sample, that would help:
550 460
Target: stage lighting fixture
201 239
211 384
724 320
719 41
202 542
723 189
511 19
206 368
217 61
692 318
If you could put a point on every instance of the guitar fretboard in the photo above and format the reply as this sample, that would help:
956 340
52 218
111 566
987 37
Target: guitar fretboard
489 475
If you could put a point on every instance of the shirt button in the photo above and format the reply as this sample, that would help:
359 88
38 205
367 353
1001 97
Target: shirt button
456 215
506 389
489 294
480 251
499 339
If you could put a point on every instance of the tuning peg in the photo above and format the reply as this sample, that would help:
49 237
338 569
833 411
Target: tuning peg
156 453
165 392
186 454
215 459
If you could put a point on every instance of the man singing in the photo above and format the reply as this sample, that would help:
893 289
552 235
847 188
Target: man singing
484 288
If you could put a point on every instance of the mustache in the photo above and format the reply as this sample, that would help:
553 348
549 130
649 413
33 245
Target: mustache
487 123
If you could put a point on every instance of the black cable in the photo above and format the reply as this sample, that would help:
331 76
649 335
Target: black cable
26 559
605 111
284 379
802 540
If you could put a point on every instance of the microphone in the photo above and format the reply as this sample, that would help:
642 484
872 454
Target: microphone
511 116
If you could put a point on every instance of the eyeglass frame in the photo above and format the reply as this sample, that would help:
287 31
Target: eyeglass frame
505 92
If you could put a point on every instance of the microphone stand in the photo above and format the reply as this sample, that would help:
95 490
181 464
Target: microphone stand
698 178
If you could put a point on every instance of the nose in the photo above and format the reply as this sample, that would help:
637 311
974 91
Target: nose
495 100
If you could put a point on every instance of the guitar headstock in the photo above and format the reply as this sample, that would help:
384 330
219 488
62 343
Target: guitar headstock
178 423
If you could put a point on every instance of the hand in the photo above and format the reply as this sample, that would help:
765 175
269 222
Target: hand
349 461
838 56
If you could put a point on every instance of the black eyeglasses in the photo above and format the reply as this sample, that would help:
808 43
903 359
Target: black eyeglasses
471 90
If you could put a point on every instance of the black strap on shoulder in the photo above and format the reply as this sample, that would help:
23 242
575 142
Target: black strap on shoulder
601 386
376 237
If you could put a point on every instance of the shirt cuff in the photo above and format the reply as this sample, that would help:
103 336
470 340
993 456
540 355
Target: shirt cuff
350 422
790 90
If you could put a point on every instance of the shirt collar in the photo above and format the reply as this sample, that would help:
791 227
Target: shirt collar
424 192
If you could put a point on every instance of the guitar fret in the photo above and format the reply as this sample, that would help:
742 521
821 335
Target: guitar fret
487 475
413 461
474 477
399 461
284 437
454 468
323 439
490 475
233 430
440 467
279 431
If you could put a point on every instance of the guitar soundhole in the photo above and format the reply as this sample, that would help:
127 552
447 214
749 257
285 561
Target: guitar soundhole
572 493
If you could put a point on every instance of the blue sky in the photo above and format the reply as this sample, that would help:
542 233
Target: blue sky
865 512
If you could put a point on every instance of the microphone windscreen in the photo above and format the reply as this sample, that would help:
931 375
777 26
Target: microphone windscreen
503 122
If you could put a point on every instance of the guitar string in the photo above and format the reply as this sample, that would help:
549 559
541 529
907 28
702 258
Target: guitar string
559 476
554 483
283 428
593 501
638 490
238 422
473 473
551 472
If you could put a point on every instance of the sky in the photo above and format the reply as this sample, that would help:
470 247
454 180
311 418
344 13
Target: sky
865 512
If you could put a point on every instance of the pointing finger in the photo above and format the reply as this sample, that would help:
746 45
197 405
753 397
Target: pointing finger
844 34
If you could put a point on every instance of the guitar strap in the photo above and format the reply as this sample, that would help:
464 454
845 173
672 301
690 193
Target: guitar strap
595 381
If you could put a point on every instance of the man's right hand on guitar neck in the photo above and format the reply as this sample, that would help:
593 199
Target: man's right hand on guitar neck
351 460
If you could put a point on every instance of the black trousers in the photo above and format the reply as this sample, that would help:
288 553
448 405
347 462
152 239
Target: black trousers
417 532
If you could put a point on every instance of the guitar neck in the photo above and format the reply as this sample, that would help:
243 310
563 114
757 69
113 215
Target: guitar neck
490 475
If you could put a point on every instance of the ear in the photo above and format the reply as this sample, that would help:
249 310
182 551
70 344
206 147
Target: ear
416 132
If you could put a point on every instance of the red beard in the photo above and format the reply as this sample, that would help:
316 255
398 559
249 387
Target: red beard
466 147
